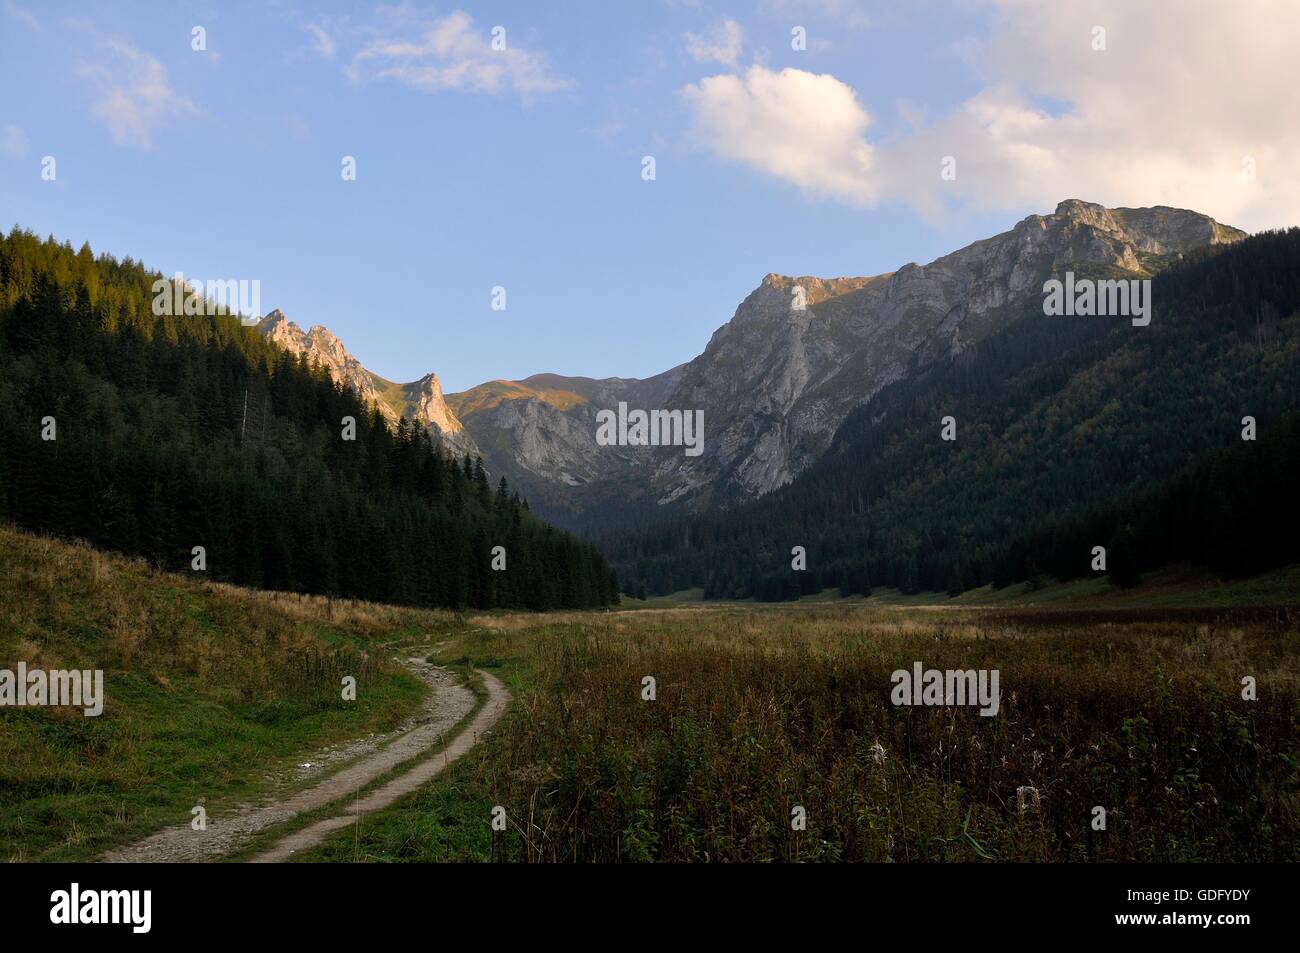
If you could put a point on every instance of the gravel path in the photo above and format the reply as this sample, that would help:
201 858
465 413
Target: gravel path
366 759
498 700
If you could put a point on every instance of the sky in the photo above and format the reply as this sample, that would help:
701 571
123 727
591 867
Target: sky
505 145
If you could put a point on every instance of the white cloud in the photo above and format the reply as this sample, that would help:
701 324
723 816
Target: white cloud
321 40
134 95
437 55
13 141
722 46
805 128
1185 97
23 16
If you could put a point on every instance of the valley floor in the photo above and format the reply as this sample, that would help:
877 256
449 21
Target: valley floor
354 765
1174 587
704 732
1130 719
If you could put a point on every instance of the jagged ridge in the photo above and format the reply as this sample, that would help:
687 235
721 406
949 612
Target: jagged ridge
774 382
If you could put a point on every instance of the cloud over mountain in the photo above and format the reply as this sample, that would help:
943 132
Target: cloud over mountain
1074 100
805 128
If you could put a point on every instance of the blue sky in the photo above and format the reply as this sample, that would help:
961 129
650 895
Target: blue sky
523 167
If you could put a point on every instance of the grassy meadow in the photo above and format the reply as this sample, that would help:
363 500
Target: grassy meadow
761 709
209 689
214 692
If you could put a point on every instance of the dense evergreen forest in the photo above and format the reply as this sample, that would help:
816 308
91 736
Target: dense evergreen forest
177 432
1070 433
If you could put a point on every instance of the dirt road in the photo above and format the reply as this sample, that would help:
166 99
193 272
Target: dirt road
448 703
498 699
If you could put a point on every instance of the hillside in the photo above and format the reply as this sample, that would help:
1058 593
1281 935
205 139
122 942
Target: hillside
1070 433
207 688
774 382
193 439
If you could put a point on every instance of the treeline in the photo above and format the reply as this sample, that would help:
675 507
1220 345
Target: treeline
1062 425
176 432
1237 514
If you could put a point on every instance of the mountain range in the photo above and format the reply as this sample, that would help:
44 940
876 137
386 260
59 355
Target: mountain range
776 381
1173 441
201 446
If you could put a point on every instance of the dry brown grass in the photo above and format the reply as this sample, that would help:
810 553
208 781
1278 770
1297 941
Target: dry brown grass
207 687
761 710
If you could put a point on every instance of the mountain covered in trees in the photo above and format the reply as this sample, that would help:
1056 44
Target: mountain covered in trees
1068 433
775 381
176 432
154 435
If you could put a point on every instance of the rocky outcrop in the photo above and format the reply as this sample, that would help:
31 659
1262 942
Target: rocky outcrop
421 402
774 382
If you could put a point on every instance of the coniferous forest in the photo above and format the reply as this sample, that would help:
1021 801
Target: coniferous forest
176 432
1070 433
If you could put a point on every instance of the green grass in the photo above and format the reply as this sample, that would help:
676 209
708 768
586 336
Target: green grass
761 708
1127 699
1176 587
659 602
338 847
447 820
211 692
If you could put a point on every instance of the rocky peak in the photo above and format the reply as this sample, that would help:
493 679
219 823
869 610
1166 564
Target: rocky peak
779 289
775 383
421 401
429 406
1124 237
1081 211
282 331
318 344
